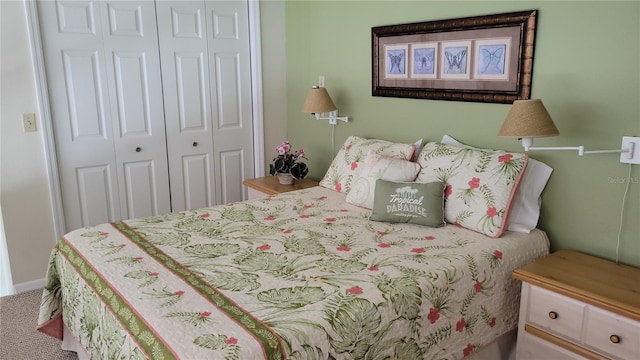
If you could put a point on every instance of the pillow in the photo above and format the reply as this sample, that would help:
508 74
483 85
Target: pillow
409 202
416 150
377 167
480 184
525 208
340 173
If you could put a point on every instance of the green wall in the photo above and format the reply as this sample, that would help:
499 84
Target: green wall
586 70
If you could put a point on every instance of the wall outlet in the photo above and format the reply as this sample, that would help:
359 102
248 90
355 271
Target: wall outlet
29 122
632 143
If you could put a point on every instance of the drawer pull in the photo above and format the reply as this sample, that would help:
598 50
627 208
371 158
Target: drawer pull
195 143
553 315
138 149
615 339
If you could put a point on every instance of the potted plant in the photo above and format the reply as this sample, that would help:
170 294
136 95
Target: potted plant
287 166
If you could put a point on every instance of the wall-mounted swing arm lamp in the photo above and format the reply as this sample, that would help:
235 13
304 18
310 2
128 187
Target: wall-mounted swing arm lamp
529 119
318 101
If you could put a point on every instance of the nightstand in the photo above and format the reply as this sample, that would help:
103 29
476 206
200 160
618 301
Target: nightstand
269 185
577 306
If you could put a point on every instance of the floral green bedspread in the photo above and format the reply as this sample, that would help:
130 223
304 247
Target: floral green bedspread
300 275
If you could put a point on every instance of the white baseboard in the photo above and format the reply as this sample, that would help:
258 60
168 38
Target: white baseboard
29 285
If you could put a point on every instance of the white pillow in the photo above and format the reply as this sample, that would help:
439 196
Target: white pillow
418 148
376 167
525 208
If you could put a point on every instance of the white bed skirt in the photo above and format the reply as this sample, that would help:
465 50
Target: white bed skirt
504 348
70 343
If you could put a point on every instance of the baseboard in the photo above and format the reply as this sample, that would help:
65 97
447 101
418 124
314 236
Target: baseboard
29 285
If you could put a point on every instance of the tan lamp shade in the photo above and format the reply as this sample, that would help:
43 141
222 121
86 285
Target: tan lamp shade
528 119
318 101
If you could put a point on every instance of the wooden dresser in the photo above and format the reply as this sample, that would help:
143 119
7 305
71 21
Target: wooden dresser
577 306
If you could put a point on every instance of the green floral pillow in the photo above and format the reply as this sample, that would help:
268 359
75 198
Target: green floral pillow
340 174
409 202
377 167
480 184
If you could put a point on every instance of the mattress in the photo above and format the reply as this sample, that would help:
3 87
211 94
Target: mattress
300 275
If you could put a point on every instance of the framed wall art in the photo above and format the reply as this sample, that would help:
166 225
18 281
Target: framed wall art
484 58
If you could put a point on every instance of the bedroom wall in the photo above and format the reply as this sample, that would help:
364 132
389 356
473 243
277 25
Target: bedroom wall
24 190
585 70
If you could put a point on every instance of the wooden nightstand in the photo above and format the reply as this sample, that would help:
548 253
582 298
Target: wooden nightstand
269 185
577 306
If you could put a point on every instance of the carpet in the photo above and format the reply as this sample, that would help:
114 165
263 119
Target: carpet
19 339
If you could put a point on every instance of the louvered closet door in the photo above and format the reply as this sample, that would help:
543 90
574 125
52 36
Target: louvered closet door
204 48
103 75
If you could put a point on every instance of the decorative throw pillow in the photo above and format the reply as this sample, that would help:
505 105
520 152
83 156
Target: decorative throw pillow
480 184
525 208
376 167
409 202
340 173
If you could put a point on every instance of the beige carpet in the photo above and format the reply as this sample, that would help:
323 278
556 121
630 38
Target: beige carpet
19 339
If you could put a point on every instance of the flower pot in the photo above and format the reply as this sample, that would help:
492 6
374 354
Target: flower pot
285 178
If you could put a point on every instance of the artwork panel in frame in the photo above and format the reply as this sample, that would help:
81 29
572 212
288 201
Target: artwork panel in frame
455 60
424 60
396 58
492 59
483 58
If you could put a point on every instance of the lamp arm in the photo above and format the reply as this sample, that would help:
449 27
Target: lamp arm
580 149
527 143
333 117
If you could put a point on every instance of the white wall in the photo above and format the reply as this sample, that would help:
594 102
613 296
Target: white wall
24 189
24 186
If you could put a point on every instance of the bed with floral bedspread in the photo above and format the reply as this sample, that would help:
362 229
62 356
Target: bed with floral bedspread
300 275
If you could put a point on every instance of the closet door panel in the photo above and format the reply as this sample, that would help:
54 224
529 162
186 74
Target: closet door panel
232 168
95 193
84 94
228 41
197 189
74 17
182 30
135 90
140 188
132 92
78 93
229 96
192 92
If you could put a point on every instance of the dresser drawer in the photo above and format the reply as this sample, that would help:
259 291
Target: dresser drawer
254 194
601 325
531 347
555 313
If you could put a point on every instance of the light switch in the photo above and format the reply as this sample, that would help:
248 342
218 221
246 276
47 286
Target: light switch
29 122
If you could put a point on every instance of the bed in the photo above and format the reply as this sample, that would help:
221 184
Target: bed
300 275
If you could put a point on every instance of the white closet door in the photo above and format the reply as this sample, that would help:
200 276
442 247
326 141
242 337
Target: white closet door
104 84
204 48
230 74
185 72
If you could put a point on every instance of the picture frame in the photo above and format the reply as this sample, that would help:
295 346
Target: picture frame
485 58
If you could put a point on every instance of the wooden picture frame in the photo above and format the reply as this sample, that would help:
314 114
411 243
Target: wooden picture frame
483 58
